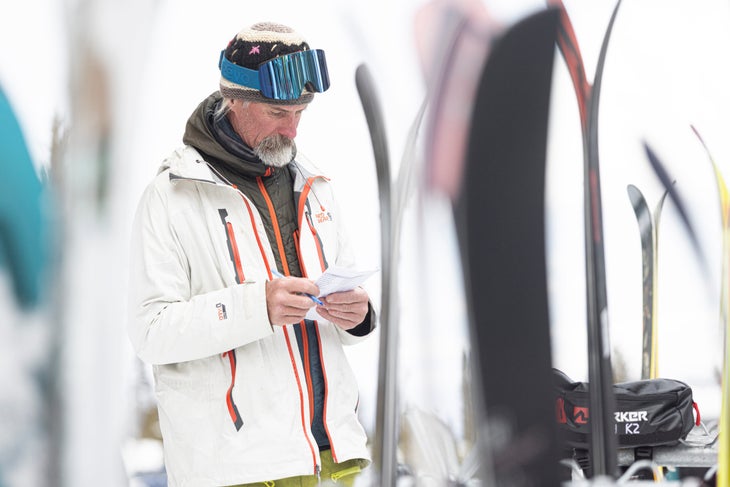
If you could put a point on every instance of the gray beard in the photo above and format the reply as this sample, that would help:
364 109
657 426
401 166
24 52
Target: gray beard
276 150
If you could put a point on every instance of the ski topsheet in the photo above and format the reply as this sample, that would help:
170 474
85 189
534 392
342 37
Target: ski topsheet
646 232
386 434
601 402
723 454
24 235
500 225
30 435
649 232
453 38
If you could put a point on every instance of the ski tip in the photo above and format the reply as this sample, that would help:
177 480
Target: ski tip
362 74
635 194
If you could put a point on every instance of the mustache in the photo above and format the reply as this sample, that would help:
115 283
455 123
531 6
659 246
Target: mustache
275 142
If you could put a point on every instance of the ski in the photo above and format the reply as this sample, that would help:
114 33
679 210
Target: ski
30 442
499 214
646 231
24 249
453 38
601 401
386 433
678 200
654 372
649 233
722 476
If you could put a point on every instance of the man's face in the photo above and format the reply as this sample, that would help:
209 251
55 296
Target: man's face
268 129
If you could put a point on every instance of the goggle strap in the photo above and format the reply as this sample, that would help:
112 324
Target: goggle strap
238 74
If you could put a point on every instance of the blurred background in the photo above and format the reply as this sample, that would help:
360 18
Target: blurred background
99 92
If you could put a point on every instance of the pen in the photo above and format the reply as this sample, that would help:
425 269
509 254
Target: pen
310 296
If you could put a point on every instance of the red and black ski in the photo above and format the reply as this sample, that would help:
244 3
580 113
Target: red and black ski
602 451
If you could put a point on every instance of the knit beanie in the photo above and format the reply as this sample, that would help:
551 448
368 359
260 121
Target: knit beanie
255 45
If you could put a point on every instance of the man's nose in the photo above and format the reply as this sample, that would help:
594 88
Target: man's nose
288 127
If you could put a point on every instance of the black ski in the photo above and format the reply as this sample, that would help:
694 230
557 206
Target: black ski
499 215
601 402
386 433
674 194
649 232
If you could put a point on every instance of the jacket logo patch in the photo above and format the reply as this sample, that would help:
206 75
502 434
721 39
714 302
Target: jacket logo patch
222 315
322 217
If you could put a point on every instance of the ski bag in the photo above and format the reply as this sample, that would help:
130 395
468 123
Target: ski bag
649 412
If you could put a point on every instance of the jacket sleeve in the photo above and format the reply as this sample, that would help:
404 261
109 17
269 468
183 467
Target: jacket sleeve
167 323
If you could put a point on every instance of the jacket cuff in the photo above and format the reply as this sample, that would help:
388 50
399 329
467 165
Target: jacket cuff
366 326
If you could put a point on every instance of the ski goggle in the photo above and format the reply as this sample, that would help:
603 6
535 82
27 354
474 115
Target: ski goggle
281 78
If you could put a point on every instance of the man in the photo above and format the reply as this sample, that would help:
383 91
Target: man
248 390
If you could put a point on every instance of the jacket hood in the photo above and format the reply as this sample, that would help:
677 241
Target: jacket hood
205 133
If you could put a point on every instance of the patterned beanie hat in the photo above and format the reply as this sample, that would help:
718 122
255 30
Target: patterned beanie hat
255 45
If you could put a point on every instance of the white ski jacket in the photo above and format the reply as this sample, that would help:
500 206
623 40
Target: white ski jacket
231 388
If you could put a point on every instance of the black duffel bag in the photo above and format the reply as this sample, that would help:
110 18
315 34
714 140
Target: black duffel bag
649 412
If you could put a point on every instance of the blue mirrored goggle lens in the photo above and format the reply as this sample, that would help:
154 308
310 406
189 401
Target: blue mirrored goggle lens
285 77
281 78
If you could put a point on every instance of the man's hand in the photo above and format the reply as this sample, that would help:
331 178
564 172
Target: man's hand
286 301
345 309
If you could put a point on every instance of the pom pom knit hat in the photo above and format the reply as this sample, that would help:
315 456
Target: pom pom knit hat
255 45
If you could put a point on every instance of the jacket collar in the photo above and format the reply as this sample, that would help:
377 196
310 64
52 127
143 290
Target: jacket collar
187 163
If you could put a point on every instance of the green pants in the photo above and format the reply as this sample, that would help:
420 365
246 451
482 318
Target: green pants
340 473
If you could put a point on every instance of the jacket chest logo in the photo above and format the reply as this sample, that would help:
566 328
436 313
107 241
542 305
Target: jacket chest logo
221 308
323 216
